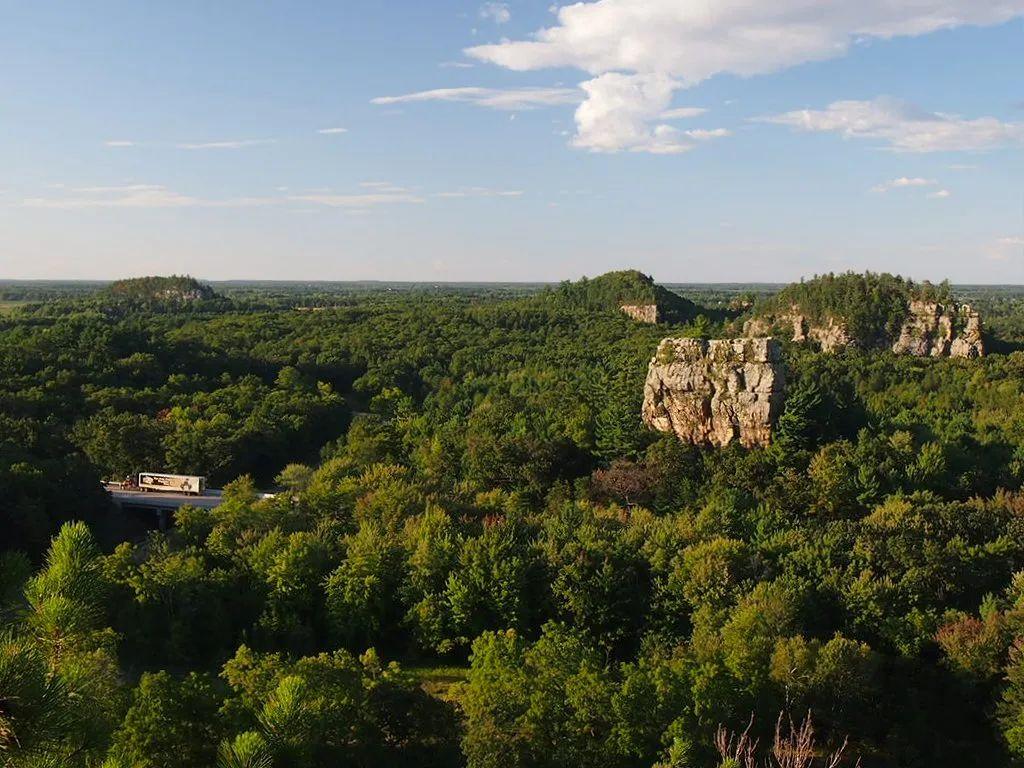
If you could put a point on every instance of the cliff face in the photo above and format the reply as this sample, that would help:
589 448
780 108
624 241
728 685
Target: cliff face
832 335
929 330
714 392
936 330
644 313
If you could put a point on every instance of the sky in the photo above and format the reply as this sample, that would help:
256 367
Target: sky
696 140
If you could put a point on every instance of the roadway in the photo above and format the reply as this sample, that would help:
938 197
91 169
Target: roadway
161 500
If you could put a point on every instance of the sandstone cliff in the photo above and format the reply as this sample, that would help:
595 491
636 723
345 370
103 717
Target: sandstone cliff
936 330
929 330
830 335
644 313
714 392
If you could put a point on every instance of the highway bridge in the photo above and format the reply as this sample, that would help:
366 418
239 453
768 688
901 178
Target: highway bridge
163 505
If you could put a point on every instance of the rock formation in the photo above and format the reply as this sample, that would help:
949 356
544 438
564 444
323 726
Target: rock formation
936 330
714 392
644 313
929 330
831 335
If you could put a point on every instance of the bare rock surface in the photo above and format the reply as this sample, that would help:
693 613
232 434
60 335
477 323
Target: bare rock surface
714 392
937 330
644 313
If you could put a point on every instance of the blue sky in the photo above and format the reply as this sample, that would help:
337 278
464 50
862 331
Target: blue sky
698 141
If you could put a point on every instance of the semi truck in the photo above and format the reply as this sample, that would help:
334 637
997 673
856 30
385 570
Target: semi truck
192 485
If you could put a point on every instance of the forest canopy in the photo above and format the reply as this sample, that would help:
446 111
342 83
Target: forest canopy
475 554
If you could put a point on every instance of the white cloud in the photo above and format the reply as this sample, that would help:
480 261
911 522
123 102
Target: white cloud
332 131
940 194
234 144
621 112
684 42
480 192
358 201
493 98
499 13
904 127
903 182
701 134
1005 247
456 65
682 113
119 143
137 196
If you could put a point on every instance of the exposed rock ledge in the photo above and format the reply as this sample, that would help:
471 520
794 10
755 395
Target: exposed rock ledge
644 313
714 392
929 330
832 336
935 330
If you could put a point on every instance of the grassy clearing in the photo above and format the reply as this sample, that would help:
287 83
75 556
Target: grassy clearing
440 682
6 307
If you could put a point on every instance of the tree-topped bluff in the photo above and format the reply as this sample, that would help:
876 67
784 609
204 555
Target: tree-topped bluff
630 291
175 289
872 311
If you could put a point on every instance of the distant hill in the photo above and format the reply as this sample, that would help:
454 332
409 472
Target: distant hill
871 310
627 289
175 289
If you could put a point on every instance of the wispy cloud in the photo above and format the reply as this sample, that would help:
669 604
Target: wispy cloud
120 143
682 113
456 65
1005 247
492 98
360 200
701 134
499 13
231 144
902 183
332 131
940 194
658 47
137 196
904 127
479 192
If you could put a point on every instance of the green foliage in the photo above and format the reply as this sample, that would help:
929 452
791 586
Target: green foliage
171 723
872 306
173 289
628 287
485 492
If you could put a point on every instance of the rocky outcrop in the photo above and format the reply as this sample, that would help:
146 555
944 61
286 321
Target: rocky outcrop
929 330
936 330
830 335
714 392
643 313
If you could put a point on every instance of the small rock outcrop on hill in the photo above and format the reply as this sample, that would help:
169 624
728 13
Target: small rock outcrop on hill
628 291
831 335
937 330
714 392
643 313
175 289
871 311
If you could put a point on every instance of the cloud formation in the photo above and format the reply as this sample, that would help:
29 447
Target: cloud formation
332 131
232 144
493 98
904 127
903 182
679 43
499 13
480 192
136 196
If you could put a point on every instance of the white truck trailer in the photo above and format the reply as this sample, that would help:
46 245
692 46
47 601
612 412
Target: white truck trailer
192 485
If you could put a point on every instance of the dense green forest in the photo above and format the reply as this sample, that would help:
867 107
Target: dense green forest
477 556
